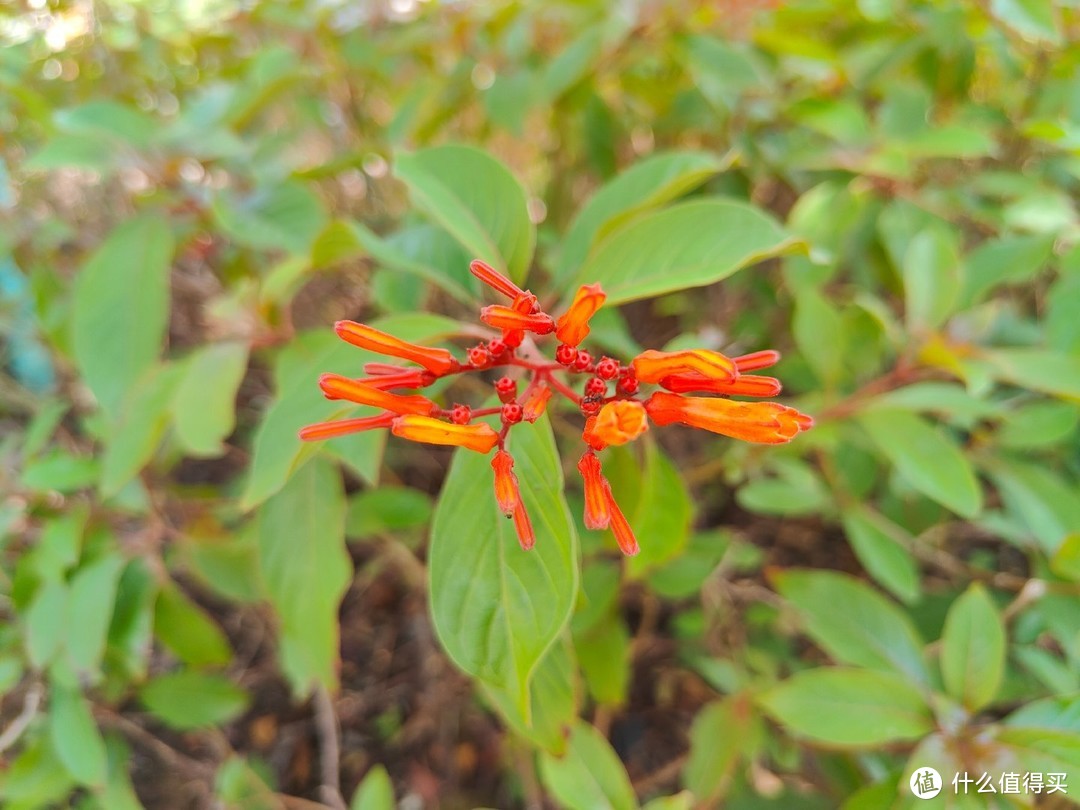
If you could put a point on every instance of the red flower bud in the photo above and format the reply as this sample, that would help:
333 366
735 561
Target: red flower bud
461 414
506 388
496 347
494 279
628 383
582 361
478 356
511 413
595 387
437 361
507 493
565 355
536 404
607 369
509 318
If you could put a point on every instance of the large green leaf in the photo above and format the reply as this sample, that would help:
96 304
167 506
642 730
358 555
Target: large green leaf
187 700
121 307
91 598
75 737
973 649
723 732
497 609
590 775
926 458
1041 500
849 707
644 186
278 451
282 217
476 199
306 569
932 278
375 791
661 515
854 623
1056 373
876 542
690 244
204 407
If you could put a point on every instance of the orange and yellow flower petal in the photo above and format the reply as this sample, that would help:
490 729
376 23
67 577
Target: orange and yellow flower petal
511 319
617 423
763 422
334 386
597 510
494 279
573 326
479 437
523 526
342 427
536 403
652 366
507 493
757 360
620 527
437 361
747 385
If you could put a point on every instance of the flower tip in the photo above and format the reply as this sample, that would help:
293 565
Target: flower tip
523 526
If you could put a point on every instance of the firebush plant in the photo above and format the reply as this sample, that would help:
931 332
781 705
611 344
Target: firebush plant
226 581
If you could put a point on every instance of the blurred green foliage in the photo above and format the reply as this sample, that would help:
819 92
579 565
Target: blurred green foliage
191 192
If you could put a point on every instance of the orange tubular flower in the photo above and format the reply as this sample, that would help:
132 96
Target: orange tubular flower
536 403
511 319
403 378
494 279
652 366
620 527
573 326
479 437
334 386
523 526
763 422
597 493
507 493
617 423
748 385
327 430
756 360
437 361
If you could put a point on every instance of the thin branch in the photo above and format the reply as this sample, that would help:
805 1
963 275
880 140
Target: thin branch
17 726
329 750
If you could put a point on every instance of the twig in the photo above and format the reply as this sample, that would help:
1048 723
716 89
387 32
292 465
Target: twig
17 726
171 756
329 750
662 775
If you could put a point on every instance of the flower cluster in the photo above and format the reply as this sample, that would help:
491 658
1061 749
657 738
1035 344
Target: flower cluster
610 398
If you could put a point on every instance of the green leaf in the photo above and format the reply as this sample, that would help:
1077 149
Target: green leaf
678 801
476 199
46 623
387 510
188 631
973 649
603 653
854 623
1008 260
144 417
1047 505
204 406
646 185
302 557
685 575
1066 561
855 708
690 244
121 122
91 599
375 791
723 732
93 154
932 278
553 700
875 541
497 609
590 775
61 471
817 324
1038 424
1034 19
75 737
131 628
285 217
926 458
35 777
661 519
278 451
782 496
1055 373
121 308
187 700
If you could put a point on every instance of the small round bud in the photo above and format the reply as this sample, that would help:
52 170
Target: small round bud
628 384
595 387
506 388
511 413
607 369
582 361
461 414
496 347
478 355
565 355
591 405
